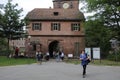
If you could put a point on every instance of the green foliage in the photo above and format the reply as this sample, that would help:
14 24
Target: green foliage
3 49
3 43
111 57
107 26
114 56
97 35
11 25
107 11
5 52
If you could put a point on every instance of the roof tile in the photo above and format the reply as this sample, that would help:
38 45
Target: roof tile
48 14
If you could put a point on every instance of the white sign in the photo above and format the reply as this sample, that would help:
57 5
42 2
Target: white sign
96 53
70 55
88 51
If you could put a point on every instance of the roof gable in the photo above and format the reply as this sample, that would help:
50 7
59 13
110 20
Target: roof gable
55 14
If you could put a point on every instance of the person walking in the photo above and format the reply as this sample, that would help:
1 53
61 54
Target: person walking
62 56
84 61
57 56
47 57
39 57
16 52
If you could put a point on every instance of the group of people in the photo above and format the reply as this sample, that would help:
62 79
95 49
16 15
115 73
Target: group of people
59 56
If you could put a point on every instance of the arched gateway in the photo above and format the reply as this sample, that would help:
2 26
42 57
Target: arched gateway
53 47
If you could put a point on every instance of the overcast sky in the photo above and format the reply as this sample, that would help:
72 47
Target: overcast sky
29 5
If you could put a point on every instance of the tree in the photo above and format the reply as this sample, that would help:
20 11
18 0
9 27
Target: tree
108 11
11 26
97 35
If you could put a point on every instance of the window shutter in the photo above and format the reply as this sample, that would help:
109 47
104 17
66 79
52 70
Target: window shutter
52 26
40 26
33 26
79 26
71 27
59 26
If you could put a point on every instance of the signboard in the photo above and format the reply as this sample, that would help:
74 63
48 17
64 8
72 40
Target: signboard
88 51
96 53
70 55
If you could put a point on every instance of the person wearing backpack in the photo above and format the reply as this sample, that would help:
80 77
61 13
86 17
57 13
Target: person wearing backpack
84 61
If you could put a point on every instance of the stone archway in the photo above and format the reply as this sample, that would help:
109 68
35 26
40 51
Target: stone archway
53 46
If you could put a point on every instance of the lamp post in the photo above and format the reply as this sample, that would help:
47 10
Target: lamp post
114 45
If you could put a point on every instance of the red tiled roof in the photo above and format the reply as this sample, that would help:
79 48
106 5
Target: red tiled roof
49 14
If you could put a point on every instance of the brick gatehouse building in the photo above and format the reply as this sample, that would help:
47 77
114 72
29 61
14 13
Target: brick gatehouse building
57 28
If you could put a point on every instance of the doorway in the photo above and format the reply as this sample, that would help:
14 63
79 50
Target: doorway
53 46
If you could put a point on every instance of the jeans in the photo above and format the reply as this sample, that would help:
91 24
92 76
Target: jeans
84 69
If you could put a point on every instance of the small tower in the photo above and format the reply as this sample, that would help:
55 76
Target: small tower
66 4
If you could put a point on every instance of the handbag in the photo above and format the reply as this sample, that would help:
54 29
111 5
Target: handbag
88 60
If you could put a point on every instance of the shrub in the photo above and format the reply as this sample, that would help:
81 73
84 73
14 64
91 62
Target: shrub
114 56
5 52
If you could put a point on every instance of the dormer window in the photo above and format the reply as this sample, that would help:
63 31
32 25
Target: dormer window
55 13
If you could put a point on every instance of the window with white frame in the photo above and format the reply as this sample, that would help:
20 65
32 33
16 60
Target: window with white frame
55 26
75 26
36 26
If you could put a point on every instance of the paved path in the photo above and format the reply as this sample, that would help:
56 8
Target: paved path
58 71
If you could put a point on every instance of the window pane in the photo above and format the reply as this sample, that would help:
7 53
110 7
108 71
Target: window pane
36 26
55 26
75 27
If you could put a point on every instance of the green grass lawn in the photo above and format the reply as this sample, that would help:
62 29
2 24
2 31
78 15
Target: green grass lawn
106 62
95 62
4 61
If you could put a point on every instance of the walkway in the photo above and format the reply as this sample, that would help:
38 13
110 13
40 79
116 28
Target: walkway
58 71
